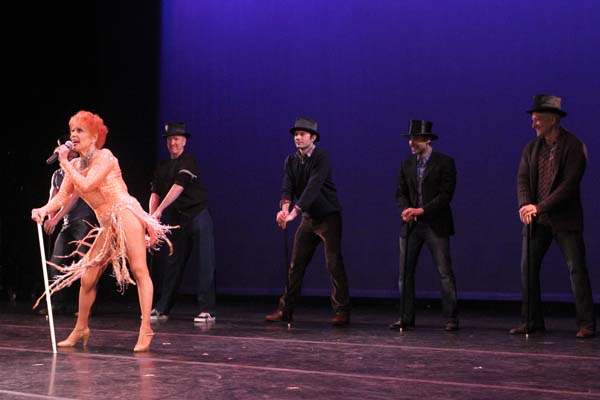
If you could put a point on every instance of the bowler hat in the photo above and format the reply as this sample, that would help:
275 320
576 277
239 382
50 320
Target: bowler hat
421 128
175 128
307 125
547 103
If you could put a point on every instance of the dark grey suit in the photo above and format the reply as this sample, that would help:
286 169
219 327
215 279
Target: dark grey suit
433 228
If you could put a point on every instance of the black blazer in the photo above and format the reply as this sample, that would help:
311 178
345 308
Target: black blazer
439 182
563 204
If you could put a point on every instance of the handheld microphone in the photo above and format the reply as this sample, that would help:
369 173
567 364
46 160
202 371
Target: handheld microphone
52 159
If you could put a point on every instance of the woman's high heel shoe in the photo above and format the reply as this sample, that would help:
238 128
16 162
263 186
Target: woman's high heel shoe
74 337
143 343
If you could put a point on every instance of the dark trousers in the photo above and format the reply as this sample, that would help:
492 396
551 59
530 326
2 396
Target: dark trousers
63 246
194 246
309 234
439 247
573 249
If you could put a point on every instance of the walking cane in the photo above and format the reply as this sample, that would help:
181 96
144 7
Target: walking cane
528 276
286 263
46 287
403 295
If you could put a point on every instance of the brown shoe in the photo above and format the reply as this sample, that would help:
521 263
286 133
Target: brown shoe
451 326
341 318
279 316
524 330
585 333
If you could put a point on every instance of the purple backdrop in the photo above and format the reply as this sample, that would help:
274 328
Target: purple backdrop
239 72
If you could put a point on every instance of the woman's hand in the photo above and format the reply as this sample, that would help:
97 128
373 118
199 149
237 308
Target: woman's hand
38 214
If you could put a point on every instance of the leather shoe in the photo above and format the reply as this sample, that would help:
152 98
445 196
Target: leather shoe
585 333
401 325
279 316
341 318
523 330
451 326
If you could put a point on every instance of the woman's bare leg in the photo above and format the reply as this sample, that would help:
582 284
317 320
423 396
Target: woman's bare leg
136 253
87 296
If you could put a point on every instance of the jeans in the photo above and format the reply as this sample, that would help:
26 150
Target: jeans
439 247
193 245
309 234
573 249
63 246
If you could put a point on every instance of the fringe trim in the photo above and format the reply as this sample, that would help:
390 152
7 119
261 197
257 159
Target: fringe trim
113 250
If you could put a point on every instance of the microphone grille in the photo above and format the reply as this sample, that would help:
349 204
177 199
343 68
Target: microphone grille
69 144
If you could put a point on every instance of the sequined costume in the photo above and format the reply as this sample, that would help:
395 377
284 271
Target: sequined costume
101 186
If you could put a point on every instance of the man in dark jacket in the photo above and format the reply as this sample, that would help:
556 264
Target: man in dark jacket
549 177
308 179
426 184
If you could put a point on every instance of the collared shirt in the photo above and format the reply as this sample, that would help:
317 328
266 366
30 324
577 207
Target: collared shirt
546 171
308 152
303 157
421 165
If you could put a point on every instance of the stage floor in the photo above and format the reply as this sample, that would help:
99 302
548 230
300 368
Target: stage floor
241 357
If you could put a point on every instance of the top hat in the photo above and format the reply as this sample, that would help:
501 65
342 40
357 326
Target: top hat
421 128
307 125
547 103
175 128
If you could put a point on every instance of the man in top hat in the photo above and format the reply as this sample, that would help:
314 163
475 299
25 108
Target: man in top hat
426 184
549 177
307 179
179 198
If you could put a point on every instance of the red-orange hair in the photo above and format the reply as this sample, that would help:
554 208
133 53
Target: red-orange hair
93 123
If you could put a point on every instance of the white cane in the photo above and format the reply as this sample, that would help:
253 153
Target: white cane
46 286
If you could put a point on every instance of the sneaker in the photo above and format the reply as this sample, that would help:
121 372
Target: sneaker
157 316
204 317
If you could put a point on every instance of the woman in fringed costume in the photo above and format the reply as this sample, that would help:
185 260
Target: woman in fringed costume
124 233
